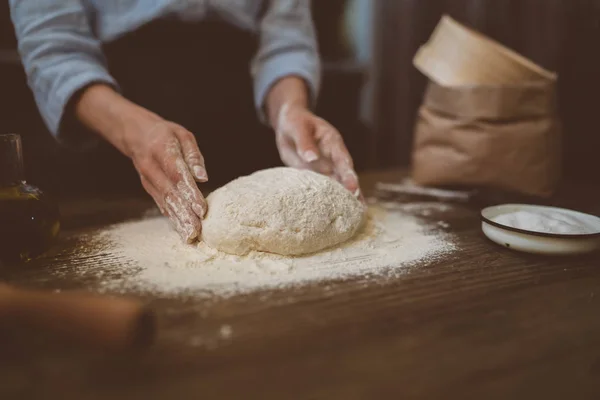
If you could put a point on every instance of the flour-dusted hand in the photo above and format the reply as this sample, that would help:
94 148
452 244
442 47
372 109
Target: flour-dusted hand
307 141
165 154
169 162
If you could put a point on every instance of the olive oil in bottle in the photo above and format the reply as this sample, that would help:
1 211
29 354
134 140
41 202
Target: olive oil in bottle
29 220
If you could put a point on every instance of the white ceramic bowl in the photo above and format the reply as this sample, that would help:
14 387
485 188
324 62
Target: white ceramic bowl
539 242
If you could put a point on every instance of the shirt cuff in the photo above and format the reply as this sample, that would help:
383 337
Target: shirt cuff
53 105
268 72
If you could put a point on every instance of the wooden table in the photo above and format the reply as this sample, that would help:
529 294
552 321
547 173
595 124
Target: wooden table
484 323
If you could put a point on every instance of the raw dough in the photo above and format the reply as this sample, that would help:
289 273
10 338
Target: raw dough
281 210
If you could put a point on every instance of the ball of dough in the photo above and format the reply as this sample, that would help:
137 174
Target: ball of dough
281 210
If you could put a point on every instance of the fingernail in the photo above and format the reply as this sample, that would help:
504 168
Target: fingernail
357 193
190 234
200 173
198 209
310 156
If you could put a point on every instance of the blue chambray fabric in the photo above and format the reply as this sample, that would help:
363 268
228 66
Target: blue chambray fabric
60 41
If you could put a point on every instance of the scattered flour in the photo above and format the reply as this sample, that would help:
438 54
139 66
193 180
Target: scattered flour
150 257
423 209
545 222
225 332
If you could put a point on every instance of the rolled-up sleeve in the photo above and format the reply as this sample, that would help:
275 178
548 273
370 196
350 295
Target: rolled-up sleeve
288 46
60 54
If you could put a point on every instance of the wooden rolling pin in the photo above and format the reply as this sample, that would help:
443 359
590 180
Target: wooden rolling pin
93 320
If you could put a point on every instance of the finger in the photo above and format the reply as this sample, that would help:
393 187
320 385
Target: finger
349 179
156 196
361 198
304 139
322 166
289 155
188 224
191 153
168 211
176 169
333 147
349 186
185 221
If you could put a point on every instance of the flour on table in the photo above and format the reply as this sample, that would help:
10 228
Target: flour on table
149 257
545 222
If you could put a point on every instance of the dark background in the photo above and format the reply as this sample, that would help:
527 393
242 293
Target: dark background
562 35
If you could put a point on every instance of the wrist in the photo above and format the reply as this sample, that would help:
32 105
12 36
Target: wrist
130 124
98 108
110 115
286 94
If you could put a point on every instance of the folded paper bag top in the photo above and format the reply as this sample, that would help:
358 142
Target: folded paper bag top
501 137
493 102
457 55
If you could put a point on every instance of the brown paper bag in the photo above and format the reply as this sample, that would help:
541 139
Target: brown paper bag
457 55
497 137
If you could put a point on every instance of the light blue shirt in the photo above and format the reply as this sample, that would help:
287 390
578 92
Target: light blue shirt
60 41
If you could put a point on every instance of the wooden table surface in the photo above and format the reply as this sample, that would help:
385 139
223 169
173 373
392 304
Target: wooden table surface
483 322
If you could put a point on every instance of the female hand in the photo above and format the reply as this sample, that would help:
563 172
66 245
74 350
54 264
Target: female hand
309 142
165 154
169 162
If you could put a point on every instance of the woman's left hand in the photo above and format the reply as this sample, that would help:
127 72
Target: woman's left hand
306 141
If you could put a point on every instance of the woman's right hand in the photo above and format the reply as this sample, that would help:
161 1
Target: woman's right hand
165 154
169 162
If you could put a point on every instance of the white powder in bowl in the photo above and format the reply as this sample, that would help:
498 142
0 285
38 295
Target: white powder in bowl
545 221
148 256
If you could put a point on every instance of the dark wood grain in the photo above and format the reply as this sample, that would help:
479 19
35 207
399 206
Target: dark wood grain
483 322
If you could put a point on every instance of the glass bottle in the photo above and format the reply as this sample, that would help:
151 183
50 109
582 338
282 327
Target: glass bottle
29 220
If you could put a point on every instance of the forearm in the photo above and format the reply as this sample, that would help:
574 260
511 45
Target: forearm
103 110
289 91
286 68
61 55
